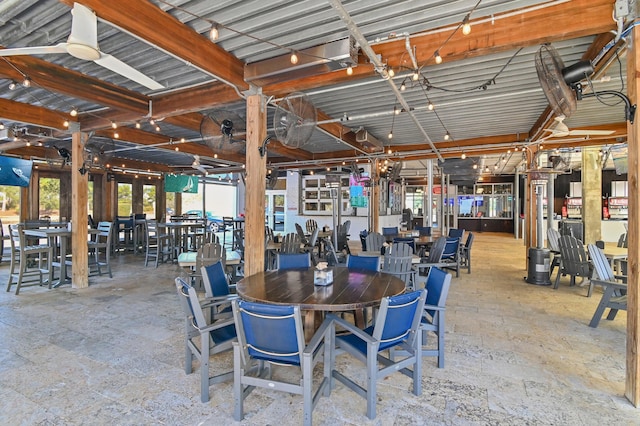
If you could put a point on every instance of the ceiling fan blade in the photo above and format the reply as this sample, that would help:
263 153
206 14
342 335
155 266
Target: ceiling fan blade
117 66
84 27
588 132
36 50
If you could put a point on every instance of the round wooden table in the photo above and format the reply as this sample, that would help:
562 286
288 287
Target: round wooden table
351 290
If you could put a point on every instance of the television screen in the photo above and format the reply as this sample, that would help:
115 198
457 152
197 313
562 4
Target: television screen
181 183
15 171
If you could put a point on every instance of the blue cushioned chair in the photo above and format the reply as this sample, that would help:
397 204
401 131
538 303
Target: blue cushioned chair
367 263
425 231
214 337
272 335
293 261
393 230
396 326
216 289
456 233
408 241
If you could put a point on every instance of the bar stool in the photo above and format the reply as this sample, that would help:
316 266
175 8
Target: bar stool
21 255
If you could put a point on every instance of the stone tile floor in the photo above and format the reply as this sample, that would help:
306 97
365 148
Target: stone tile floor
113 354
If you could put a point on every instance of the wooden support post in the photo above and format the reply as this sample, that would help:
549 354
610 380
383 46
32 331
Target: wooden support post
79 211
632 385
255 185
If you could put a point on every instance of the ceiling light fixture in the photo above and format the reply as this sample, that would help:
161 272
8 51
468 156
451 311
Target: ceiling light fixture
214 33
466 26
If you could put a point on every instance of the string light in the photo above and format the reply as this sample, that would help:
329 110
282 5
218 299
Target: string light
391 72
403 87
416 75
447 136
27 81
430 106
294 58
1 126
349 70
65 123
466 26
12 85
436 54
73 112
214 33
138 125
463 156
116 135
114 125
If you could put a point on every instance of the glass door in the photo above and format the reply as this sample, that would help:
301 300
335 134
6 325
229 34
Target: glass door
274 206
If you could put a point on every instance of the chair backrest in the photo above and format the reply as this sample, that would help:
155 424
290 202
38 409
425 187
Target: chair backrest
313 240
270 333
437 286
238 240
393 230
290 244
451 248
104 233
210 253
268 234
397 260
398 319
367 263
293 260
436 251
574 258
406 240
311 225
300 232
469 242
424 231
214 280
15 232
623 240
552 238
190 304
374 241
600 263
455 232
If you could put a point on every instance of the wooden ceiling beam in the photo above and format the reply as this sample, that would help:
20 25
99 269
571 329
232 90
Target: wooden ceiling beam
57 79
159 28
35 115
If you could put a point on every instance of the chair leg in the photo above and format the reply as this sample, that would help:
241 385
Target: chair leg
238 397
440 339
372 366
204 367
604 302
417 365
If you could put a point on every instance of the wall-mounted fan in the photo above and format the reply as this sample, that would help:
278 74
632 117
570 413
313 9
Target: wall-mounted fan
62 153
98 152
272 178
220 130
561 85
295 119
83 44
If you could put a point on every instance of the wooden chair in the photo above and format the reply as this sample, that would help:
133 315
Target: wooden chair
397 261
157 245
434 258
614 296
290 244
312 246
343 237
406 240
465 253
301 235
22 254
574 260
101 243
311 225
553 237
208 254
374 241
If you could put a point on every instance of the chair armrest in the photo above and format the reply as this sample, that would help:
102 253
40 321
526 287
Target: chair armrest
318 337
620 286
352 328
221 323
435 308
217 301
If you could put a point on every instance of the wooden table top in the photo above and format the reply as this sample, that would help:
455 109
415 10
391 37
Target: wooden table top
351 289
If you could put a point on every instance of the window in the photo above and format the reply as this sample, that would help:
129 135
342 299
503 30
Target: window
9 205
149 201
414 199
318 198
490 201
49 200
125 206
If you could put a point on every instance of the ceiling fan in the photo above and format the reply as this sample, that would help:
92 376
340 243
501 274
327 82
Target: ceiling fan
83 44
561 130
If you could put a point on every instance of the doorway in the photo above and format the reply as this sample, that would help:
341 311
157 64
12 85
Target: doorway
274 205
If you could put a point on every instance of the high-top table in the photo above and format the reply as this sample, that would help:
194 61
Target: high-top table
351 290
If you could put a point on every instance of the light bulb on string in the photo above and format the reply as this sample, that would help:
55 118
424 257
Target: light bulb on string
466 26
403 87
447 136
430 106
214 33
390 135
138 125
114 125
438 57
349 70
73 112
415 76
293 58
26 82
463 156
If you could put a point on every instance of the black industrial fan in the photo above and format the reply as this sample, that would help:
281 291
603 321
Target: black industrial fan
223 131
98 152
561 85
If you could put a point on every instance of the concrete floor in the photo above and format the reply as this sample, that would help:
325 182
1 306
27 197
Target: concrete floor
113 354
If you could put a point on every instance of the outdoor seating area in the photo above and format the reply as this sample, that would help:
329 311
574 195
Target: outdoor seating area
499 366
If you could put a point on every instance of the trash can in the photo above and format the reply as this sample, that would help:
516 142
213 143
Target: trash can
538 269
